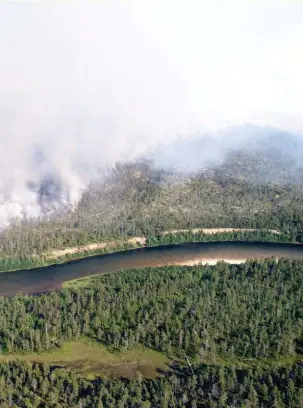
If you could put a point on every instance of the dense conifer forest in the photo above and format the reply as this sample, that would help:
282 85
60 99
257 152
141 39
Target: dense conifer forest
38 385
200 236
241 316
253 310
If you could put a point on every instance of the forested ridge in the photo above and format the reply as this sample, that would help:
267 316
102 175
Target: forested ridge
233 333
234 315
139 200
257 183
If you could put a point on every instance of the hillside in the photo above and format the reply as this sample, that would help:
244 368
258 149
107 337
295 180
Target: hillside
179 336
255 187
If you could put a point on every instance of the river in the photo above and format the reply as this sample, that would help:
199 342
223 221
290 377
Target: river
44 279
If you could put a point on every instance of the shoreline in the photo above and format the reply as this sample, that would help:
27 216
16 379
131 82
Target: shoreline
203 261
191 262
64 261
211 261
212 231
97 249
140 241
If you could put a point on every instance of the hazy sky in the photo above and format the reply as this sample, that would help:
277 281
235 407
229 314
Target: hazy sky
85 83
153 66
240 60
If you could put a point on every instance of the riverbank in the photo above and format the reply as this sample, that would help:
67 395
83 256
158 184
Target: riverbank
135 242
143 241
212 261
87 280
60 256
216 230
81 282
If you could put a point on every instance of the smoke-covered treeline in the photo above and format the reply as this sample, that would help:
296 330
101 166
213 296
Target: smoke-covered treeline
73 103
84 85
137 199
57 181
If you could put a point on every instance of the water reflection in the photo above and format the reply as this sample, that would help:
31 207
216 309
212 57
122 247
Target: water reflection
48 278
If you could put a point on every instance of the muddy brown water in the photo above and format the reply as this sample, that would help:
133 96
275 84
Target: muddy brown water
44 279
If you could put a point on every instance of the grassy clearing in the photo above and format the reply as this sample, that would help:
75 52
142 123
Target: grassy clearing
91 360
80 282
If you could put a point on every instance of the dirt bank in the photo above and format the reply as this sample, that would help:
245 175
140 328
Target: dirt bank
135 241
212 261
215 230
141 241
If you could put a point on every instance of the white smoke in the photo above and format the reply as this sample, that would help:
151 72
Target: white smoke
81 87
83 84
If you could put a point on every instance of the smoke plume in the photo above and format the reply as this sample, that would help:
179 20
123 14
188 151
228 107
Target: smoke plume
85 84
81 87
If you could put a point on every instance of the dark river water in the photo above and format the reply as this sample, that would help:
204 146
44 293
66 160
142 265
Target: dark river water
51 277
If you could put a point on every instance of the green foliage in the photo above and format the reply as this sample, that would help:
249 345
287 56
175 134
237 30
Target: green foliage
253 310
186 237
219 313
247 313
138 200
27 262
91 360
13 263
38 385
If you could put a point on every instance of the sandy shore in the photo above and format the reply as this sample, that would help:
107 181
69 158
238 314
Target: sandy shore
211 261
215 230
76 250
141 241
